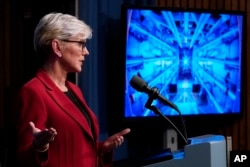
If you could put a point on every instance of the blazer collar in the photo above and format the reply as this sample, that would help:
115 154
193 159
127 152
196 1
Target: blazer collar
67 106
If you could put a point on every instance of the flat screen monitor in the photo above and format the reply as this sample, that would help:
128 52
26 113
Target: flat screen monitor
193 57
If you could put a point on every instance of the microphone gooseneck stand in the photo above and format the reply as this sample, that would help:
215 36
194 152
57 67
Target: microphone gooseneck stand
153 96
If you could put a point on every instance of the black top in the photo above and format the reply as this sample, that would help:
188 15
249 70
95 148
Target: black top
73 98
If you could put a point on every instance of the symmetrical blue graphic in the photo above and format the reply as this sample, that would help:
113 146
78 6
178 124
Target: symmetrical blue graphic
193 58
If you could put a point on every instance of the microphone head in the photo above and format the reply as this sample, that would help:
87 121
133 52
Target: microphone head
137 83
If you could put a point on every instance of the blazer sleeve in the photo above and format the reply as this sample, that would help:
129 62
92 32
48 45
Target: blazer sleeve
30 107
105 159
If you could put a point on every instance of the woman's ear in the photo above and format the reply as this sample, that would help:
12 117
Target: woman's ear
56 47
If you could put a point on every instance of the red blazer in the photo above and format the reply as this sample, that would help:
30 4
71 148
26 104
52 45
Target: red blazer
75 145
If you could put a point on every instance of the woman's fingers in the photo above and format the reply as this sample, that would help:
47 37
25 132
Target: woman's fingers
43 136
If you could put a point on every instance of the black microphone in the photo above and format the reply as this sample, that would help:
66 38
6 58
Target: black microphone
140 85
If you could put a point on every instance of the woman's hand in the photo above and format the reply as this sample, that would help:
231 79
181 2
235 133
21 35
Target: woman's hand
114 141
42 138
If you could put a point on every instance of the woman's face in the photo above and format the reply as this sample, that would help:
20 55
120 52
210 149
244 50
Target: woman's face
73 54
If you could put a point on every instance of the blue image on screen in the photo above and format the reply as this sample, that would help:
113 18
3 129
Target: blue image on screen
193 58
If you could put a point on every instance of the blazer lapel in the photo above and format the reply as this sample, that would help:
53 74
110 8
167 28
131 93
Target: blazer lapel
93 117
65 103
71 109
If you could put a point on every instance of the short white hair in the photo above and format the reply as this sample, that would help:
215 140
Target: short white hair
58 26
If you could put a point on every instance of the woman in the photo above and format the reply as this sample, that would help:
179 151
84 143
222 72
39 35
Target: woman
55 126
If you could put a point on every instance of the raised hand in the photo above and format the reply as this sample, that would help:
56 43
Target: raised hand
42 138
114 141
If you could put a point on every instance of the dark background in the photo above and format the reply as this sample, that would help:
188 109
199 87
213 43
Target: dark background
98 80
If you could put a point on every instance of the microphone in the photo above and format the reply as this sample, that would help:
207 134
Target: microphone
140 85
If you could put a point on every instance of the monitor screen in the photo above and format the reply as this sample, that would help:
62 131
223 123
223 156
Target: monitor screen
193 57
